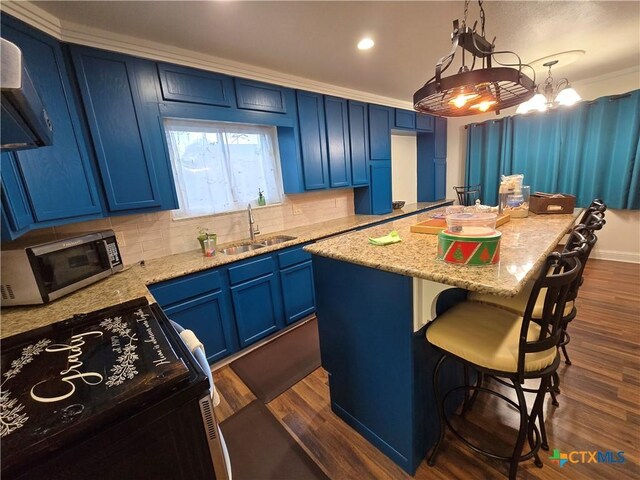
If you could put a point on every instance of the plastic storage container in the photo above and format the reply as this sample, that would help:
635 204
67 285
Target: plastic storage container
471 224
469 250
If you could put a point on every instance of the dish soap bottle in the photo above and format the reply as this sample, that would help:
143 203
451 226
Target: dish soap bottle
261 200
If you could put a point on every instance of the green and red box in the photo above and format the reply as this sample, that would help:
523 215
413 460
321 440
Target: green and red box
469 250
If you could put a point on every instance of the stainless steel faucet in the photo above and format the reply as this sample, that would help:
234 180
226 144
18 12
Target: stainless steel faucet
252 232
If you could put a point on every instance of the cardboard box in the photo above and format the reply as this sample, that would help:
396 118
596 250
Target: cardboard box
544 204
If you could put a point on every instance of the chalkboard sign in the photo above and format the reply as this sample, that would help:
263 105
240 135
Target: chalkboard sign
68 379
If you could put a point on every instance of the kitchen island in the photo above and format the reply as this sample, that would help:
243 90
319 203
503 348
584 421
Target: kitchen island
373 304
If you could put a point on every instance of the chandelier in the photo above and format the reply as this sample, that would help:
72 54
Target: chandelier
474 90
552 95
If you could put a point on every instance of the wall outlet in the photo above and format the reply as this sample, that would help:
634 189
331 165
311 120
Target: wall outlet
297 210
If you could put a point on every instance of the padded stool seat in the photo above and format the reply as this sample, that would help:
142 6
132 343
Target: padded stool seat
518 303
487 336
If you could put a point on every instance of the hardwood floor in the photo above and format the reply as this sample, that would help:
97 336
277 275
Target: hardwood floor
599 404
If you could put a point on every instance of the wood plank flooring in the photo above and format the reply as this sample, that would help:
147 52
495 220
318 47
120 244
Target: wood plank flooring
599 405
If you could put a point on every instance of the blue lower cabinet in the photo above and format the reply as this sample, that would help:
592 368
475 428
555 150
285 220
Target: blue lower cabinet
298 295
380 187
209 320
258 308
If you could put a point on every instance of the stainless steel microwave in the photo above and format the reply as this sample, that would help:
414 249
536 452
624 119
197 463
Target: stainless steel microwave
46 272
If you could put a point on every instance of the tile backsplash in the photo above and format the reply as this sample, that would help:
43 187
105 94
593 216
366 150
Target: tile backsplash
153 235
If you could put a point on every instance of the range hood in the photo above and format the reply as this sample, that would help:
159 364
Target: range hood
25 123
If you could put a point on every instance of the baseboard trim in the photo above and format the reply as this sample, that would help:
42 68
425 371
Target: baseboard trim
616 256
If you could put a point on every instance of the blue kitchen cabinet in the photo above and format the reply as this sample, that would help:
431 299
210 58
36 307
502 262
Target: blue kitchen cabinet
405 119
296 280
16 212
251 95
440 132
200 302
380 122
182 84
256 298
313 140
432 162
359 142
381 187
205 316
58 180
120 95
337 118
424 122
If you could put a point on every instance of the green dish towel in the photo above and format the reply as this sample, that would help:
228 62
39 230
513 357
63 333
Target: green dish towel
393 237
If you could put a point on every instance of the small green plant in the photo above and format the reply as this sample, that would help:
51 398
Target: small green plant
261 200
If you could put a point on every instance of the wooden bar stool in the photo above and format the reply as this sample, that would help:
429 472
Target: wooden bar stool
513 347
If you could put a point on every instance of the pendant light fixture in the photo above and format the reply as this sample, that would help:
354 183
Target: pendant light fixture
474 90
552 95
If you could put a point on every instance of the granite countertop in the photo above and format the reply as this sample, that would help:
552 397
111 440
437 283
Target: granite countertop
524 245
131 283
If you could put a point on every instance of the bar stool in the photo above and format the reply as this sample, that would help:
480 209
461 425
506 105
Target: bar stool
495 341
468 194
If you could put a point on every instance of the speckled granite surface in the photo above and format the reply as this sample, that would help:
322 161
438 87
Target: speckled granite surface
132 282
525 244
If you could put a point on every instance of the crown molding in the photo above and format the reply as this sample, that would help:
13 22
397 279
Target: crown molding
93 37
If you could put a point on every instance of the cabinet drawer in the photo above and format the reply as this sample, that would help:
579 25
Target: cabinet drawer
182 288
250 270
292 257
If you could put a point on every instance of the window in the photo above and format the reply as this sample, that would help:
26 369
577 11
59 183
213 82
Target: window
219 167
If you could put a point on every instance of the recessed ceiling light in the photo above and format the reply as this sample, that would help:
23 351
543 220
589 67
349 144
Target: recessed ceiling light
365 44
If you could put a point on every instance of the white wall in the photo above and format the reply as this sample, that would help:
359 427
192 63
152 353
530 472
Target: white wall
404 168
620 239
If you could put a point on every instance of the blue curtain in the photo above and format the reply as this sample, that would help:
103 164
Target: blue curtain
591 150
488 156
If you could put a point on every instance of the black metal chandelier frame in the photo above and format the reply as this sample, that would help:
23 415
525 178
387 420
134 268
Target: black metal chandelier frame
491 88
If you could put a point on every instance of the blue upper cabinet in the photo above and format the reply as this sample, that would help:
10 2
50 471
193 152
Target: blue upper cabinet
182 84
58 179
405 119
441 137
313 140
432 162
337 118
120 98
259 96
380 123
359 142
424 122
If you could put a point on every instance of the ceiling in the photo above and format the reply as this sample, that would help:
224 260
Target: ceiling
317 40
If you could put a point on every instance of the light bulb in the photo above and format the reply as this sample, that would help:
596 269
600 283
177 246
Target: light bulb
538 102
365 44
523 108
462 99
484 104
568 96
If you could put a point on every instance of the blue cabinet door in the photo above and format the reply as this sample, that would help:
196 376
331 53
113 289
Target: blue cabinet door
313 140
424 122
298 294
189 85
440 177
58 179
16 211
380 187
405 119
380 121
259 96
208 318
440 132
257 307
123 116
337 118
359 142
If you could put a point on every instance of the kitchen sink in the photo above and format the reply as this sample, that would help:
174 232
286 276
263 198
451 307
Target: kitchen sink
241 248
277 239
